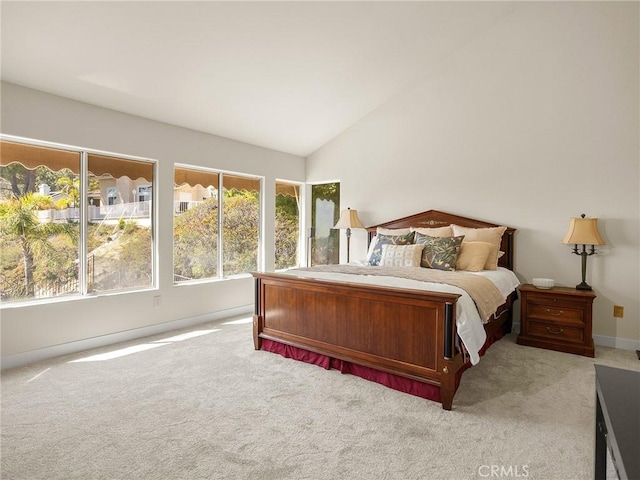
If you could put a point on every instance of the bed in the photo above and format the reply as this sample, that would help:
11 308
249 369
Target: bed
386 329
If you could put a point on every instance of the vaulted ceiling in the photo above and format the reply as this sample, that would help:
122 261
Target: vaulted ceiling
284 75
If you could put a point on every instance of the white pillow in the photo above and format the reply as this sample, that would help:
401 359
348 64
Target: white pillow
393 231
435 231
401 255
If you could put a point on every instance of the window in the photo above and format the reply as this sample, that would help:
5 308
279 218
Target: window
119 234
38 222
208 244
240 224
111 196
287 225
47 250
325 212
195 224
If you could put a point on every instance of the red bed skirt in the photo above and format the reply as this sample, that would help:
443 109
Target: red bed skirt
396 382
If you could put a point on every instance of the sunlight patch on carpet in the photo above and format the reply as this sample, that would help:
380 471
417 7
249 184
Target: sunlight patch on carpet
41 373
119 353
241 321
186 336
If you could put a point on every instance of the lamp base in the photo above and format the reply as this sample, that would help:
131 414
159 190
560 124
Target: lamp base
583 286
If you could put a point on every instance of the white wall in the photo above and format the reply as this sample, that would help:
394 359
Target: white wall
33 114
535 121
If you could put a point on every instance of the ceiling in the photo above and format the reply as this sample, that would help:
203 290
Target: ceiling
289 76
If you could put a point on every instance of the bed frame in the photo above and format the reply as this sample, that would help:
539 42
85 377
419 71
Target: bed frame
409 334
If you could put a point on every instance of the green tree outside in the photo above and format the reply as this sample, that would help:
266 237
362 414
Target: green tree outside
19 224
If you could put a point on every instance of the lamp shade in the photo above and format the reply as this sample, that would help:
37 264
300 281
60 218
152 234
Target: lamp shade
583 231
349 219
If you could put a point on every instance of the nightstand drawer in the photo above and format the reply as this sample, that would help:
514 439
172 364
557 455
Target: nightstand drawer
560 301
555 332
555 313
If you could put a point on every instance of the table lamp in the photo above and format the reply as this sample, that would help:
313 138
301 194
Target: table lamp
583 231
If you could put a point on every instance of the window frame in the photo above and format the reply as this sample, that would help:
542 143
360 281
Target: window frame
83 175
301 254
220 275
312 218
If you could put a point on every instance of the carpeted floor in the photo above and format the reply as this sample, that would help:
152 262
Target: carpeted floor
205 405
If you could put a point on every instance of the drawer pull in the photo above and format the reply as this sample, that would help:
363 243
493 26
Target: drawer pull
559 314
555 332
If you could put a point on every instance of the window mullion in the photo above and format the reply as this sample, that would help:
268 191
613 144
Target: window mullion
220 227
83 225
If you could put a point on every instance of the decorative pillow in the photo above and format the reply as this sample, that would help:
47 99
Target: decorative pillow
393 231
440 253
491 235
435 232
473 255
401 255
376 251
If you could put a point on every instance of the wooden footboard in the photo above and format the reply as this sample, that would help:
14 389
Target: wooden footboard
409 333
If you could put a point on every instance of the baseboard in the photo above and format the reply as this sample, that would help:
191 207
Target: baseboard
25 358
615 342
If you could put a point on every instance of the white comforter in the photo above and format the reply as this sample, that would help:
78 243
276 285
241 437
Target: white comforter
468 322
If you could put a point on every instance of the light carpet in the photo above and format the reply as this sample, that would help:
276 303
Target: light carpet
205 405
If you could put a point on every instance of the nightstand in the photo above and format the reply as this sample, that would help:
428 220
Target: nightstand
558 318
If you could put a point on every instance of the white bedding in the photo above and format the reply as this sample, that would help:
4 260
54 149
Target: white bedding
468 322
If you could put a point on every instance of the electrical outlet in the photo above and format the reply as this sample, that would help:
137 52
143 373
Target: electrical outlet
618 311
156 301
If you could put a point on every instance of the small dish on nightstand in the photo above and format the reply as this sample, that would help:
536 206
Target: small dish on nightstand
543 283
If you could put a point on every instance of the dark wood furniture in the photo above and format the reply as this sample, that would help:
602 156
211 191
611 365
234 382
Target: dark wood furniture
408 333
558 318
617 422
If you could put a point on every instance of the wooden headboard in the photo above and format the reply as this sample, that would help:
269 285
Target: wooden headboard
434 218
